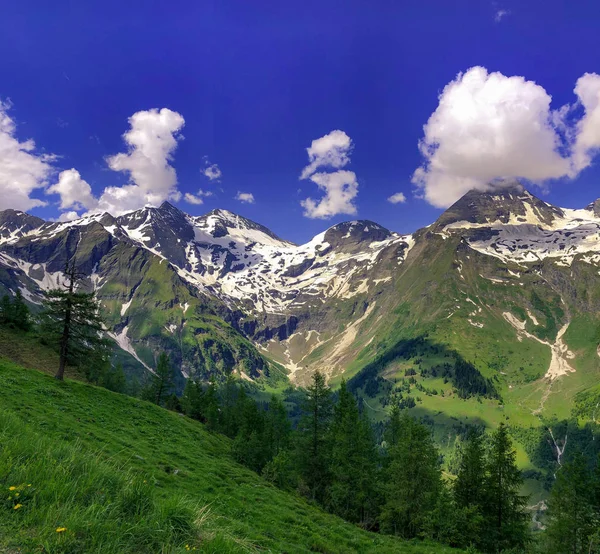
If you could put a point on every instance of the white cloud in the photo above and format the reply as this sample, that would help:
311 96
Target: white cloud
500 15
332 150
587 135
196 198
22 170
68 216
212 171
151 140
340 187
397 198
487 126
246 197
74 191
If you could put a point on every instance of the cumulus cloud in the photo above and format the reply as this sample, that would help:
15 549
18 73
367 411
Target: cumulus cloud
331 151
22 169
246 197
587 133
488 126
68 216
340 187
151 141
212 171
197 198
397 198
75 193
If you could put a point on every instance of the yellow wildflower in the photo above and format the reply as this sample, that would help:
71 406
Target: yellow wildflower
16 495
17 506
12 488
61 529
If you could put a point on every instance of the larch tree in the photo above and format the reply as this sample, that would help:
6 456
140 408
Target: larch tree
71 321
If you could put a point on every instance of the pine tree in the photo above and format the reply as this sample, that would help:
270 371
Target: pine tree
71 320
114 378
506 518
22 319
353 462
469 489
211 406
162 380
572 517
230 410
14 312
412 477
313 454
277 428
192 400
470 478
249 446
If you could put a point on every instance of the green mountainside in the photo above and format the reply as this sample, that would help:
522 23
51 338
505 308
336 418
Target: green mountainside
491 314
95 471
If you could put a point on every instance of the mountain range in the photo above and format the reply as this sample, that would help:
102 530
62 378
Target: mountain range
493 310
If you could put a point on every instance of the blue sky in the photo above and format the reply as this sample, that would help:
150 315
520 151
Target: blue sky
257 82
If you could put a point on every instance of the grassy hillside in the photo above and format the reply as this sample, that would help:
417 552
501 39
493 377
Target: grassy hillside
86 470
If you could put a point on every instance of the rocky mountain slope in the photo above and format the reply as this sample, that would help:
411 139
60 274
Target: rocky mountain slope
502 282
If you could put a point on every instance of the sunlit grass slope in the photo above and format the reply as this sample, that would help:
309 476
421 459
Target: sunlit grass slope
95 471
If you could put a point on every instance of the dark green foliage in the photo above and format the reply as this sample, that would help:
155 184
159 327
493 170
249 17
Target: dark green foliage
412 477
464 376
192 401
114 379
469 489
506 518
161 381
313 446
573 510
277 428
470 477
354 468
14 312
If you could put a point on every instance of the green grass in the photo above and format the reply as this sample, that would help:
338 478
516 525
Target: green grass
122 475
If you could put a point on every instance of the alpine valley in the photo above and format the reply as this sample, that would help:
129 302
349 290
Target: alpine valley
491 313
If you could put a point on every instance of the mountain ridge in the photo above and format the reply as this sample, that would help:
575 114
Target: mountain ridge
306 307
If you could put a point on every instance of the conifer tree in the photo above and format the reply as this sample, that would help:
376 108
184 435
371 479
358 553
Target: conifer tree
313 454
412 476
277 428
353 463
71 320
211 406
14 312
470 477
231 406
572 516
249 446
162 380
469 490
113 378
192 400
506 518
